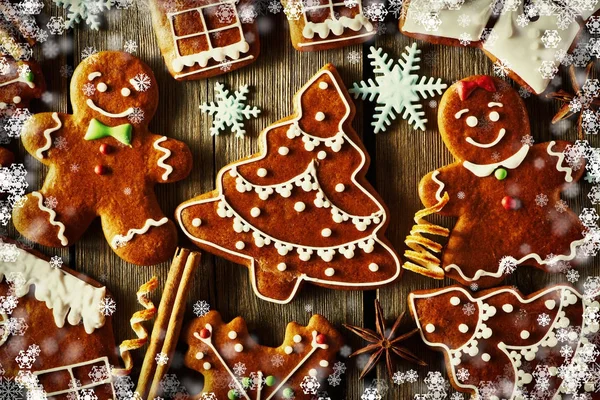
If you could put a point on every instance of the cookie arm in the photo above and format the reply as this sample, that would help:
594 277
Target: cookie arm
38 133
558 169
169 160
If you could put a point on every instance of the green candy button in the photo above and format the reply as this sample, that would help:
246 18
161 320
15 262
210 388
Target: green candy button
500 174
270 381
29 77
232 394
246 382
288 393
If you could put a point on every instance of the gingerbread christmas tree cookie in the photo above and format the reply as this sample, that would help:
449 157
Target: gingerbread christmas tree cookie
301 209
107 164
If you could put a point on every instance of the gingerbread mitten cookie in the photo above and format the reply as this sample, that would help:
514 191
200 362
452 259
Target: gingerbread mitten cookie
504 189
226 352
500 344
301 209
107 164
203 38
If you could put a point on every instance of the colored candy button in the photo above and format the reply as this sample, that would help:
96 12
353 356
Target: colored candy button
288 393
232 394
270 380
511 203
500 174
204 333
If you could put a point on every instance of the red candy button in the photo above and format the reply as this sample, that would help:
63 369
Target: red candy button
105 149
100 170
321 339
204 333
511 203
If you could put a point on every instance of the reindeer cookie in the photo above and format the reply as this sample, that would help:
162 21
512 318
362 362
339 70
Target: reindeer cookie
504 189
502 345
301 209
104 162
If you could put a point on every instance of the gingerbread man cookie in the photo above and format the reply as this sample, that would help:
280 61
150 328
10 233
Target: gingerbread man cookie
301 209
503 345
504 189
106 165
226 352
20 81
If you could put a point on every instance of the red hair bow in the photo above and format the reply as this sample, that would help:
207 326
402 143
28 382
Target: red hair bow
465 88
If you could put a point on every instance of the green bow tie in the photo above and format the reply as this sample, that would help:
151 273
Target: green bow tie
97 130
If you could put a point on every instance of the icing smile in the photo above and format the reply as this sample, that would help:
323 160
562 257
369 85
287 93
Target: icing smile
94 107
471 141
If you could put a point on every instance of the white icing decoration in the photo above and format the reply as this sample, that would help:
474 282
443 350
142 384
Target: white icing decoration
232 335
320 116
94 75
284 151
322 155
511 162
486 357
281 267
454 300
335 26
72 392
463 328
335 142
550 304
70 298
18 79
240 245
460 113
297 338
373 267
323 85
326 232
199 355
206 366
507 308
430 328
40 152
261 172
125 92
102 87
472 121
196 222
501 134
330 272
524 334
238 348
340 187
120 240
255 212
438 193
52 218
299 206
90 104
288 350
495 104
324 363
17 99
312 372
559 163
161 161
494 116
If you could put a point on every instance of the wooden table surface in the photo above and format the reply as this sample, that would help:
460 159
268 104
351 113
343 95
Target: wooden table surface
399 158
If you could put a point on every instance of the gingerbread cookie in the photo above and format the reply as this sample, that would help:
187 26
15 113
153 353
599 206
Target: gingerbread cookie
203 38
106 165
20 81
504 189
503 345
322 25
218 349
525 38
46 308
301 209
6 157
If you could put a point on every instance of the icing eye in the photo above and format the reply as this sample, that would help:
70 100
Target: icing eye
472 121
125 92
494 116
102 87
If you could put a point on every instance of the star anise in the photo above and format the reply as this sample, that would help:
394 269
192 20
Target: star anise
380 343
576 102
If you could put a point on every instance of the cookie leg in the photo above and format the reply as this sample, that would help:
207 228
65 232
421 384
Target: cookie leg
50 219
140 233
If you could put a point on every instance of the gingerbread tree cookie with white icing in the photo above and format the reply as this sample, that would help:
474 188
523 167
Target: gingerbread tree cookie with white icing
227 352
301 209
203 38
504 189
108 165
503 345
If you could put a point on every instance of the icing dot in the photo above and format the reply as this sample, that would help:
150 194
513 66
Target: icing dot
312 372
255 212
430 328
326 232
206 365
240 245
550 304
494 116
373 267
17 99
507 308
323 85
102 87
321 155
281 266
238 348
297 338
232 335
454 300
196 222
524 334
472 121
288 350
2 105
486 357
199 355
324 363
261 172
283 151
125 92
299 206
463 328
340 187
329 271
319 116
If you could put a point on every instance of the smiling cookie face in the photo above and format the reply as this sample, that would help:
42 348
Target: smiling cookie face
482 120
114 96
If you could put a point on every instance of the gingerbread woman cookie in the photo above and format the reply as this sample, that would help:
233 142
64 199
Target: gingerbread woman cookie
504 189
303 362
106 165
503 345
301 209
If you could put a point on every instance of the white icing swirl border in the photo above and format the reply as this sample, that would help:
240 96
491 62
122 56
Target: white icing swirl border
52 218
40 152
121 240
161 161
